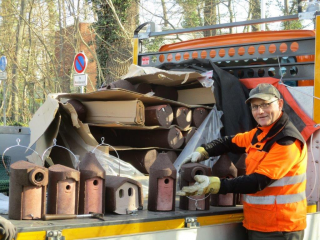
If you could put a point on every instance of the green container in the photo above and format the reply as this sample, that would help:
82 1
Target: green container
4 177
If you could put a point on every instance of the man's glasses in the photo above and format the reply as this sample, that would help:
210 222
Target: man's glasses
263 106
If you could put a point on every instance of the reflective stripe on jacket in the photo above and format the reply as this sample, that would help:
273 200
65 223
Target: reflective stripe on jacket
282 205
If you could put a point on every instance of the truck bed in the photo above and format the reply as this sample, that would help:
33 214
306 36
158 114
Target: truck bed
120 225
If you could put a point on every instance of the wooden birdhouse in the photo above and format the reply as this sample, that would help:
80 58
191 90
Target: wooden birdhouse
188 172
224 168
92 185
123 195
162 184
63 190
27 191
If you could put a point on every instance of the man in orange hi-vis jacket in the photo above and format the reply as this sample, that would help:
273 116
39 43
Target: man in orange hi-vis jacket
274 186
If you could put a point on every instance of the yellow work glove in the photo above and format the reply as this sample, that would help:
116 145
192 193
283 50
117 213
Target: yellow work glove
198 155
203 185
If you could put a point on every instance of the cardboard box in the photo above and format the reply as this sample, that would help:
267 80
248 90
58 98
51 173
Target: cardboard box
196 96
192 96
126 112
152 75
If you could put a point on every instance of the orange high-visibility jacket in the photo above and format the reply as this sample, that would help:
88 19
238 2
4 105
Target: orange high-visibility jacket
282 205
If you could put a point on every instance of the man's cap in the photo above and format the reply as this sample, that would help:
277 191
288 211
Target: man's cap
264 91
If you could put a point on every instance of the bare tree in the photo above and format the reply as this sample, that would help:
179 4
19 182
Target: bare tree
255 13
16 61
210 16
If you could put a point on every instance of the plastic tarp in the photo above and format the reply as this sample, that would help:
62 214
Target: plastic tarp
208 131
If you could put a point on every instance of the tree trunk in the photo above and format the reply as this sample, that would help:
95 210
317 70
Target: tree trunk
115 51
190 13
300 6
64 83
164 10
286 11
230 15
16 63
29 70
210 16
255 10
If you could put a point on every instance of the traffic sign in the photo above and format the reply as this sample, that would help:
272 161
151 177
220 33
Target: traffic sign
80 80
3 63
80 62
3 75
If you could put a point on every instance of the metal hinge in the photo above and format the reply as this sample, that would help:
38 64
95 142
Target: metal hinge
54 235
191 222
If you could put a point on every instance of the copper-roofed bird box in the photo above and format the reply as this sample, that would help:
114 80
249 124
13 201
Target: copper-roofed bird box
198 116
63 190
140 159
27 191
224 168
187 174
160 115
182 117
173 155
162 184
163 138
241 168
142 88
109 134
92 185
187 135
165 92
241 165
124 84
123 195
79 108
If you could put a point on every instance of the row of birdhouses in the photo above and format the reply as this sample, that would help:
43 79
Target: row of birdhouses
36 191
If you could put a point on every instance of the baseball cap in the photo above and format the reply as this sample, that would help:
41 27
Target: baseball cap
264 91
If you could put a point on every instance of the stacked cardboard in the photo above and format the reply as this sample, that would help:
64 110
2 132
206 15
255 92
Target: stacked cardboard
126 112
128 119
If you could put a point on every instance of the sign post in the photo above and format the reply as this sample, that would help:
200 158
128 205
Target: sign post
3 76
80 64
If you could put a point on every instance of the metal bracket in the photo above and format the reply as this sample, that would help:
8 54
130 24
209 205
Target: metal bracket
54 235
191 222
132 212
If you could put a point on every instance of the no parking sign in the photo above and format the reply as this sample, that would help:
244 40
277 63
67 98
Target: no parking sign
80 62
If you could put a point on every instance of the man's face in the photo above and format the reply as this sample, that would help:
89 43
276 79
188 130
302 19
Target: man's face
266 112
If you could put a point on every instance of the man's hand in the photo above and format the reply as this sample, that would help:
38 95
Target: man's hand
198 155
7 229
203 185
